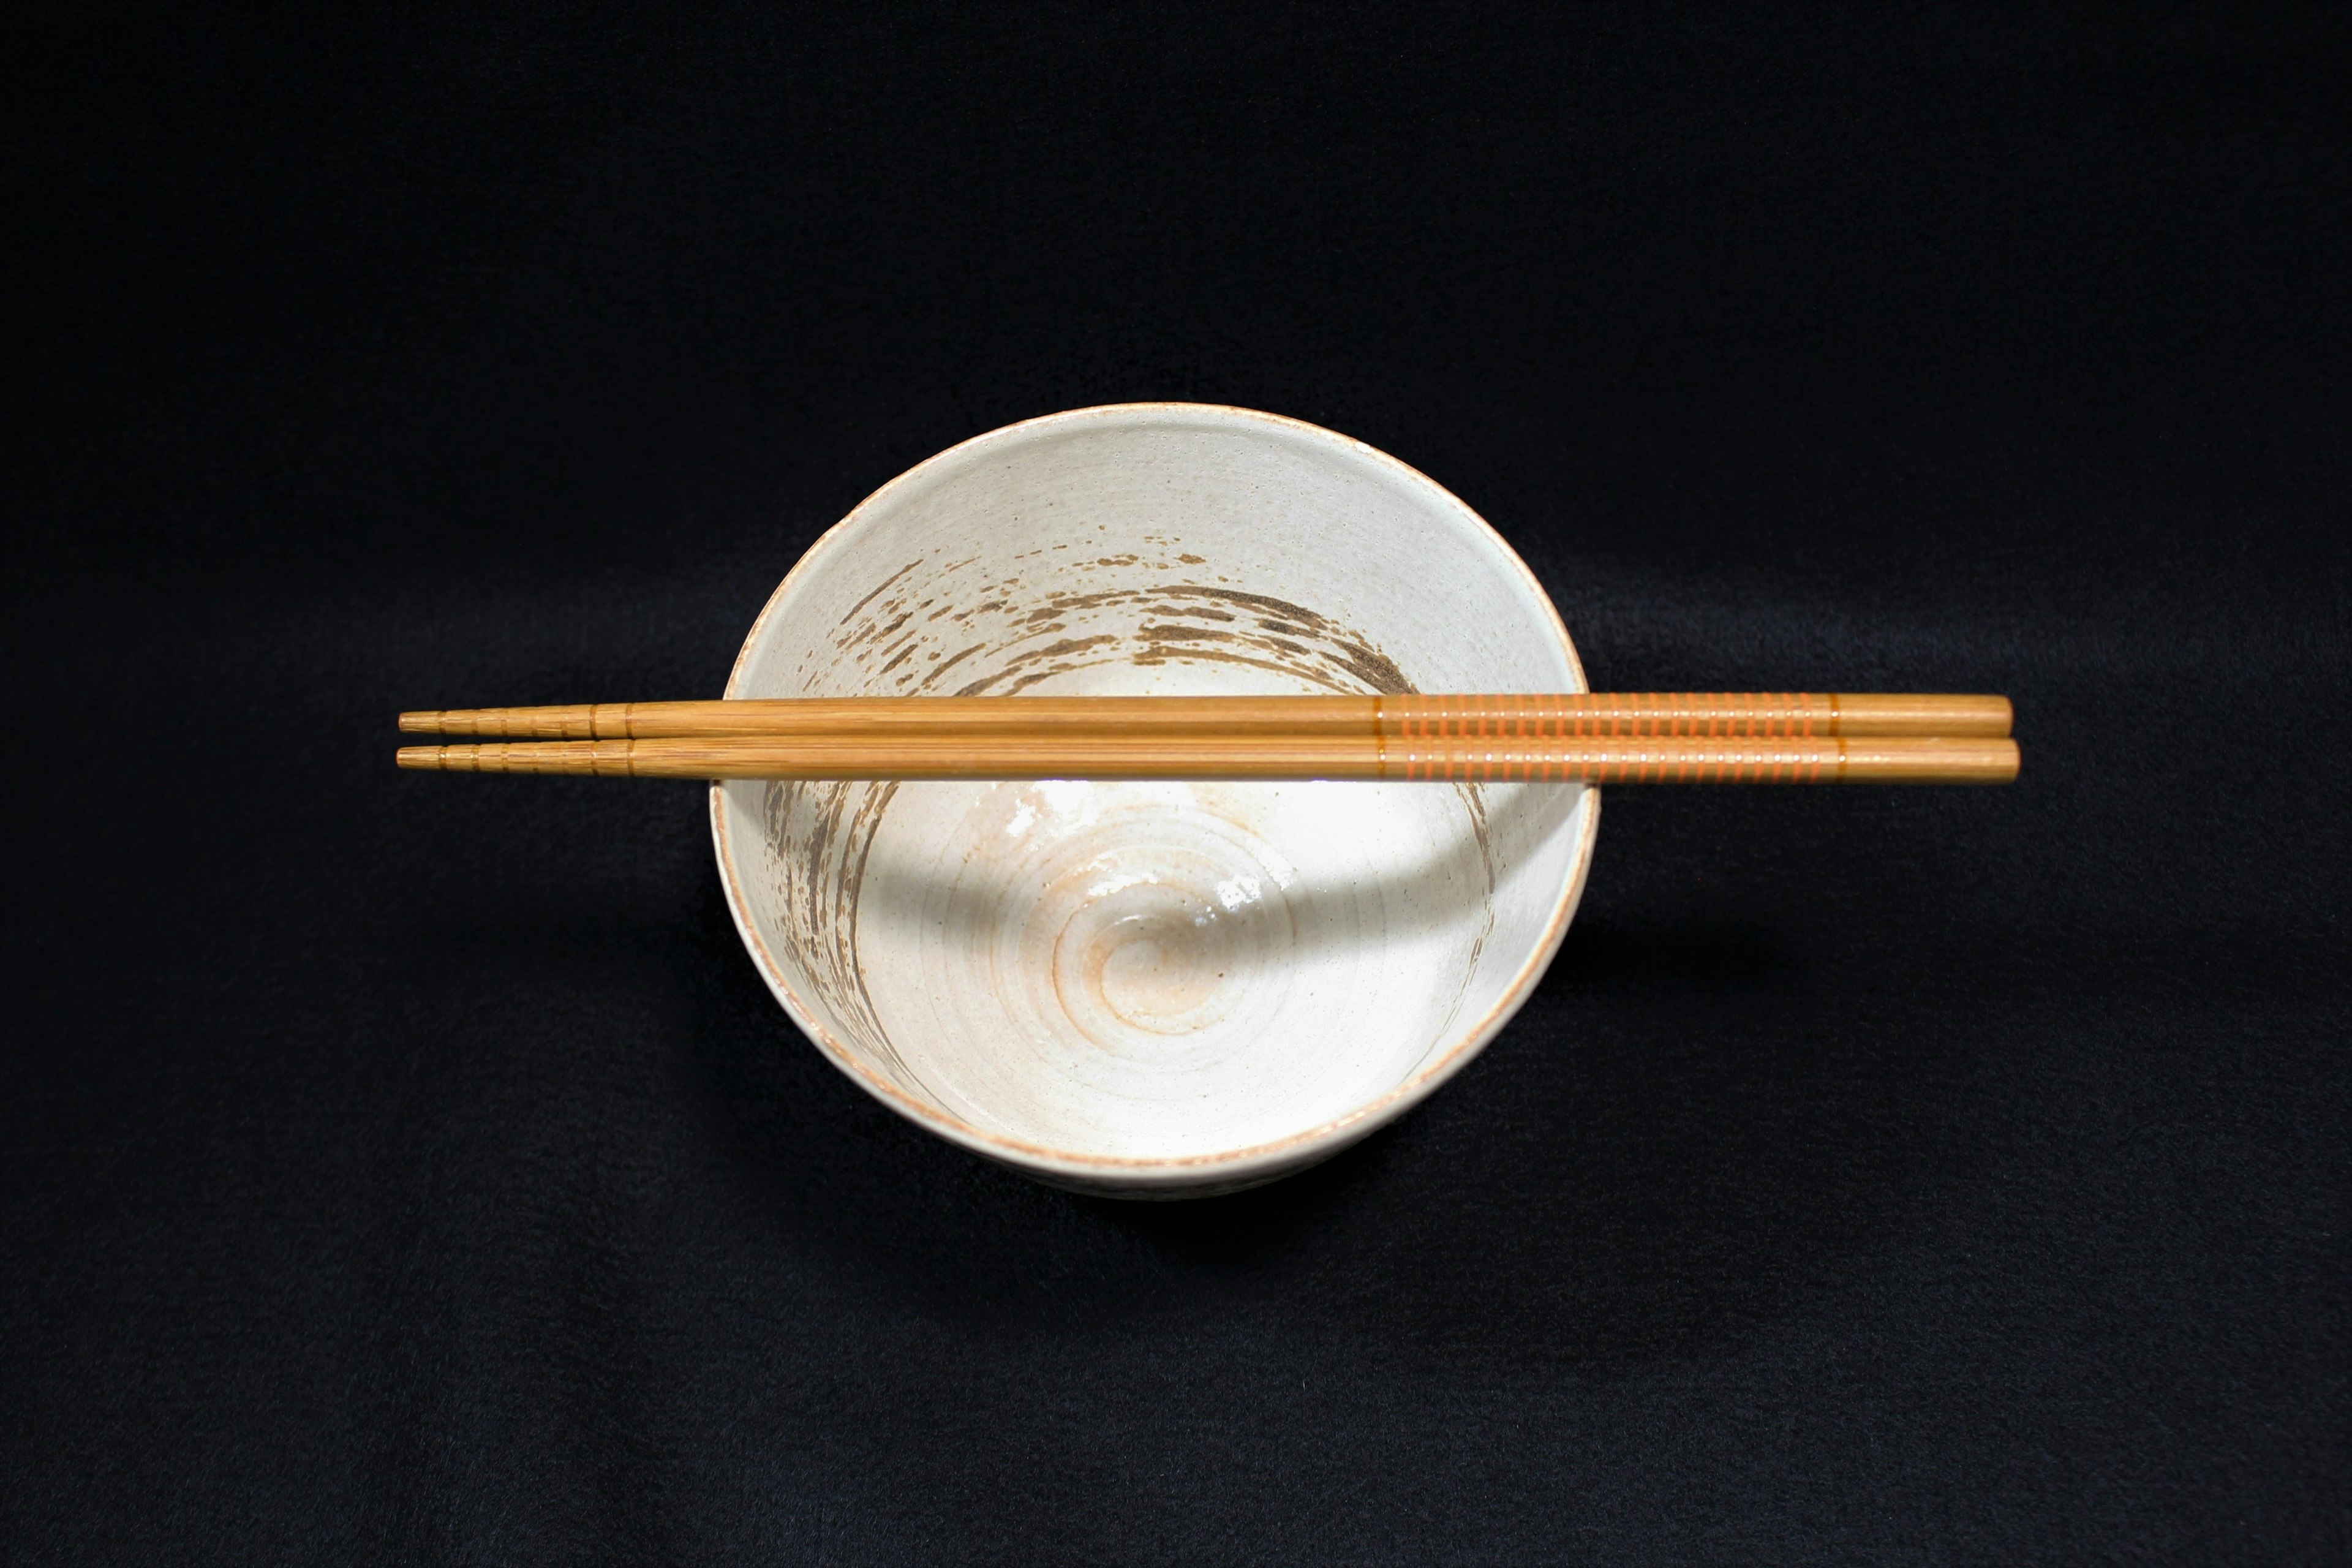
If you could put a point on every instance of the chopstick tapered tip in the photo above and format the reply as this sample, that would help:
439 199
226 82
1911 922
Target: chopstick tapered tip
429 758
423 721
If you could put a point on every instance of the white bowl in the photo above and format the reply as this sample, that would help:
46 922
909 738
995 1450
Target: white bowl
1154 990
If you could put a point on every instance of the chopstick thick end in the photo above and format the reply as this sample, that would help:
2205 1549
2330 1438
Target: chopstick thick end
1930 762
1880 714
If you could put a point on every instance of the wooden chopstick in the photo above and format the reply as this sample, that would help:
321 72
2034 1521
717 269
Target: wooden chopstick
1721 715
1364 756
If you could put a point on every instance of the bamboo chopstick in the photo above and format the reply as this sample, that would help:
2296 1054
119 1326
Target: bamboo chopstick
1721 715
1364 756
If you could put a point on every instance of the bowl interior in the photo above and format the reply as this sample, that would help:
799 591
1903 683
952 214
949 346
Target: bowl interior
1075 972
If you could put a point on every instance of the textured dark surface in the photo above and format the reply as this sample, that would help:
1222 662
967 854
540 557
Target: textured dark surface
409 1168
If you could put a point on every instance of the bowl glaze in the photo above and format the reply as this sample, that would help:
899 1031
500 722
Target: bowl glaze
1142 989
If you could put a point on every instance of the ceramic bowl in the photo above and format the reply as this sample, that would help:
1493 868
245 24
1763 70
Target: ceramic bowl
1142 989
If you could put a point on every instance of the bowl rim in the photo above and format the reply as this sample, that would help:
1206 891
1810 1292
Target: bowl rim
1226 1167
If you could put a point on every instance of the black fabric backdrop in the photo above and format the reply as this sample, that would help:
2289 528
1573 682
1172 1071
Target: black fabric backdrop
414 1169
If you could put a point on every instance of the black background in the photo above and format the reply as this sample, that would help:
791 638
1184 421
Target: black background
415 1169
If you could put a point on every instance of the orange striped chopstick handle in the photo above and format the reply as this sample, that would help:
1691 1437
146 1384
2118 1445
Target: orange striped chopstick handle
1798 761
1693 715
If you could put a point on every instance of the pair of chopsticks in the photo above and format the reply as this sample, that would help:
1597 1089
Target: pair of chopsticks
1590 738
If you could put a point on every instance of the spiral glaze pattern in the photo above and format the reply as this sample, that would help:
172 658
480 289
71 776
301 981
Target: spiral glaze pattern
1167 963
